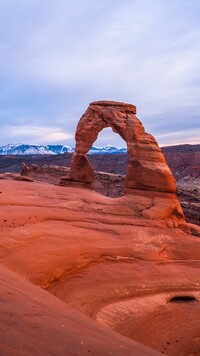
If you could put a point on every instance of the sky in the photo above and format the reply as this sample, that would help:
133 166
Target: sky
58 56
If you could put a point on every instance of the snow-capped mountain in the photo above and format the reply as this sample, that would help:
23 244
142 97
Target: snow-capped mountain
23 149
107 149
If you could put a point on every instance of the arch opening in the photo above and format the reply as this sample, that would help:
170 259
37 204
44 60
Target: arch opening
107 137
111 165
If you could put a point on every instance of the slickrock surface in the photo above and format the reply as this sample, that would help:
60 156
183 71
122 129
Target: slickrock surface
148 204
33 322
103 259
112 185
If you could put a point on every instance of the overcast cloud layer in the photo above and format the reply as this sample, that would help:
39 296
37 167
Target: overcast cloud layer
57 56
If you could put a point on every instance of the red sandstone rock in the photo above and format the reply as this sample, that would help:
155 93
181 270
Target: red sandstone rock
122 261
81 169
33 322
195 229
147 168
112 185
15 176
23 178
102 257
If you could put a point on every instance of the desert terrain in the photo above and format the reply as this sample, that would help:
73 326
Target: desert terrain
83 272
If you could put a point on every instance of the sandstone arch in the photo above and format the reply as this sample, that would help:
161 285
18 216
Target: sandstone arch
147 168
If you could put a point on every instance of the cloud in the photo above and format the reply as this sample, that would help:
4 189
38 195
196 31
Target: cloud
179 137
35 134
58 57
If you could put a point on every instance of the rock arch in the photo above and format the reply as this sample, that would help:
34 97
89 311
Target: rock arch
147 168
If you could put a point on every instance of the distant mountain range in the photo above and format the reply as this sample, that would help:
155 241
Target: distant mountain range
22 149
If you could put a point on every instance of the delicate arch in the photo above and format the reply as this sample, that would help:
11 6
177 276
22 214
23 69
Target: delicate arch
147 168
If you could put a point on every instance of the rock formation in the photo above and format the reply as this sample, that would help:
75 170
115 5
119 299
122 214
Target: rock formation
148 177
147 168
